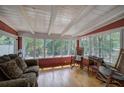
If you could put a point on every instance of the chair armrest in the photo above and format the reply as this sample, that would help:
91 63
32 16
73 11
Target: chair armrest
109 66
21 82
111 70
31 62
116 74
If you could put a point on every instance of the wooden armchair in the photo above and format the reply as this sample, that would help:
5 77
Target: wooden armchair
94 63
114 75
78 58
74 62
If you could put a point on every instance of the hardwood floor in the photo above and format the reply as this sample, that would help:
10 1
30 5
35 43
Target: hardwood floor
67 77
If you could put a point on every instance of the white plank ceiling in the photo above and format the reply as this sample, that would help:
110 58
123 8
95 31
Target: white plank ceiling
59 20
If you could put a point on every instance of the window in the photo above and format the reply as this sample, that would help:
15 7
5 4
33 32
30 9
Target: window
7 45
49 48
115 46
57 47
96 45
65 50
72 47
105 45
39 48
29 48
86 45
33 48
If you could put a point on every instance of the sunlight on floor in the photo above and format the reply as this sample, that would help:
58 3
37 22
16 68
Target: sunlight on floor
67 77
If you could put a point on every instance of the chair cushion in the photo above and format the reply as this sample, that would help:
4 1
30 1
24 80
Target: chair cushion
11 69
4 58
21 63
13 56
78 58
28 75
107 71
118 76
31 77
32 69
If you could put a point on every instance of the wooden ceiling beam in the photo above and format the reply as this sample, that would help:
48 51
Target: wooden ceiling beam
52 19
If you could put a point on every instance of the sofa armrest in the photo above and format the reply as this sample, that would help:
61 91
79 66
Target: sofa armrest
21 82
32 62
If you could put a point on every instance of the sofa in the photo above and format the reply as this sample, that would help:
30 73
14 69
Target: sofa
17 72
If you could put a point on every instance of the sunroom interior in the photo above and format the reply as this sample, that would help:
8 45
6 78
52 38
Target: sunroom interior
51 35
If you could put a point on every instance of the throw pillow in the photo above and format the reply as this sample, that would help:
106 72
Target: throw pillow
11 69
13 56
21 63
4 58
